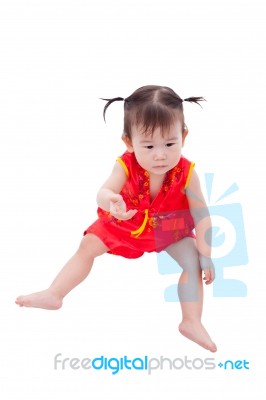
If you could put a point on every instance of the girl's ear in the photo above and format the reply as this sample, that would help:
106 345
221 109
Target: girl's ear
184 135
128 143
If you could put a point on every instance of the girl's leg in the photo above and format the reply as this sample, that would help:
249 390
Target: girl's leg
73 273
190 292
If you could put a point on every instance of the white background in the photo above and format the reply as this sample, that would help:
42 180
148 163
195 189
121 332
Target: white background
57 58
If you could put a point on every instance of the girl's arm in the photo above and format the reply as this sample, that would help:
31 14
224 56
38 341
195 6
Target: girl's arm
108 197
203 226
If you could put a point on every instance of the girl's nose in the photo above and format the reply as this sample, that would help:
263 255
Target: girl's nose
159 155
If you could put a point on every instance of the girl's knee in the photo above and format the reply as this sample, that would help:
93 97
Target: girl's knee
92 246
191 266
185 254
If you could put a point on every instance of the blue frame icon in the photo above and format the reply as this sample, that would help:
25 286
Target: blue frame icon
235 255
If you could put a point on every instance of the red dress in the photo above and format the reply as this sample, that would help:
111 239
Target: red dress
158 223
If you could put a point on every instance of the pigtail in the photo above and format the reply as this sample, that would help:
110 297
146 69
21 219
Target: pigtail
195 100
110 101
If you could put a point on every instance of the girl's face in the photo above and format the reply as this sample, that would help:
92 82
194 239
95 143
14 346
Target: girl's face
155 153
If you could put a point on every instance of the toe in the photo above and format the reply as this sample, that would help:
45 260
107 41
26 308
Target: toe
213 348
18 300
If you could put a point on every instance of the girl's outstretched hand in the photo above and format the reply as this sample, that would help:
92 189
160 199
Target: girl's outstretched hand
118 208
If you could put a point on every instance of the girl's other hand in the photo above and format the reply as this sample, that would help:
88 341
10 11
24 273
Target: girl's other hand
207 266
209 275
118 208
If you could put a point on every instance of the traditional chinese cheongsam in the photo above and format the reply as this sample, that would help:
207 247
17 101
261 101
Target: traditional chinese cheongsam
158 223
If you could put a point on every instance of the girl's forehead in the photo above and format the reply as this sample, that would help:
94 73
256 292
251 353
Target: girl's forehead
158 132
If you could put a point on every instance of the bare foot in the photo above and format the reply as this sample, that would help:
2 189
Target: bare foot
195 331
45 299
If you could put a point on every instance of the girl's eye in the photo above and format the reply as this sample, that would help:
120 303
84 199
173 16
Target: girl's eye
149 147
170 144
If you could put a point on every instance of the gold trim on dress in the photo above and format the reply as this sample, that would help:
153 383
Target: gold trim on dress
121 162
192 165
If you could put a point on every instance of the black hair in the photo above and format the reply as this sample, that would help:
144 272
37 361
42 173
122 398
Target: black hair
150 107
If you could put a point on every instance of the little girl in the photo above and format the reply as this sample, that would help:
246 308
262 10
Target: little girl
152 201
